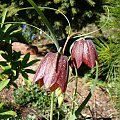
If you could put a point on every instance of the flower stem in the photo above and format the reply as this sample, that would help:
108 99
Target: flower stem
52 106
75 91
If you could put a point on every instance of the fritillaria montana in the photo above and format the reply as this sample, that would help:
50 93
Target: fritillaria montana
52 72
84 51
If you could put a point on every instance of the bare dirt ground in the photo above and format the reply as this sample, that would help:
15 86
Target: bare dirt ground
99 106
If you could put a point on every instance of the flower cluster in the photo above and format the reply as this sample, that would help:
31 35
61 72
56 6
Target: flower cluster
53 69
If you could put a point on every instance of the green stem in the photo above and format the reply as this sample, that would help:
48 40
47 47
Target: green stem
75 91
58 115
52 106
49 8
80 108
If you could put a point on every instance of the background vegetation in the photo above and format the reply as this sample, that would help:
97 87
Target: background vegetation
85 16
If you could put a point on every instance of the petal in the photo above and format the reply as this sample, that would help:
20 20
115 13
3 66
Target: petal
62 73
77 53
40 82
57 72
41 69
54 87
90 54
50 72
54 73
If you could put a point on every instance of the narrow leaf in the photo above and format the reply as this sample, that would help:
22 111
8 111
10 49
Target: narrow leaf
11 28
3 63
80 108
7 27
78 111
1 104
72 117
24 75
25 59
8 113
5 56
3 17
46 22
31 63
3 83
29 71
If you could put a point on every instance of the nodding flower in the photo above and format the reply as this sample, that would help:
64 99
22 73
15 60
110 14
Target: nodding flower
52 72
83 51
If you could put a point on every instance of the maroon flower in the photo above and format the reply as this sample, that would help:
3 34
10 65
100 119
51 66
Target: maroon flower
52 72
84 51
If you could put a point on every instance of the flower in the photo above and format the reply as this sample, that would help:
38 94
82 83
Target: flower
84 51
52 72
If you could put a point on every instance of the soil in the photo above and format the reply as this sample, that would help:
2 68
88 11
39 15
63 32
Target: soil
99 106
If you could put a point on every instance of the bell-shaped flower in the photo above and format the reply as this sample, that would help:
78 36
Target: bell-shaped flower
52 72
84 51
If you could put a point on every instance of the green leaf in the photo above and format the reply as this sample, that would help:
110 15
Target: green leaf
95 80
9 51
31 63
91 2
1 104
7 27
5 68
3 17
8 72
12 28
16 55
15 32
72 117
78 111
8 113
25 59
25 76
80 108
3 63
3 83
29 71
14 84
5 56
46 22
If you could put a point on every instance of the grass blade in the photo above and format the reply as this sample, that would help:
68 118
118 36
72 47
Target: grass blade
46 22
3 83
3 17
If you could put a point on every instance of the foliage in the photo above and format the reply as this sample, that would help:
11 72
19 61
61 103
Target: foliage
3 83
4 113
32 96
108 53
9 32
109 67
13 64
112 28
110 63
75 10
109 49
113 89
28 33
6 31
79 16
